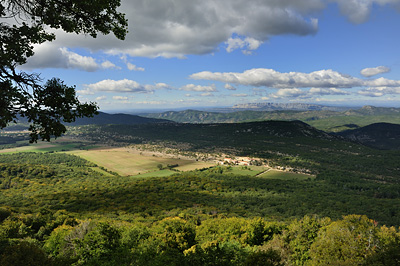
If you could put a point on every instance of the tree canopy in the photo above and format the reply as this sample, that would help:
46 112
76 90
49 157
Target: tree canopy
23 23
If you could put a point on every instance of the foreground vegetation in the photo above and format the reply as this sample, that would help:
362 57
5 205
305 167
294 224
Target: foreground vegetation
58 211
46 238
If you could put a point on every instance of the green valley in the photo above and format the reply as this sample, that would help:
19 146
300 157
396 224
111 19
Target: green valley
257 193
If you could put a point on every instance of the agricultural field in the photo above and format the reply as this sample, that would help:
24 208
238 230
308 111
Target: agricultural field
278 174
132 162
123 161
127 162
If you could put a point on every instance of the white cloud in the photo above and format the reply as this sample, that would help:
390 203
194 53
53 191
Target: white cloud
379 91
49 56
107 64
134 67
240 95
306 94
177 28
207 94
261 77
162 86
247 44
84 92
120 98
100 98
327 91
358 11
289 93
74 60
124 85
369 72
150 102
230 87
193 87
270 78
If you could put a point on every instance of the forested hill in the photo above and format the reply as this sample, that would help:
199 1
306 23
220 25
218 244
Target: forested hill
379 135
100 119
333 121
116 119
232 135
194 116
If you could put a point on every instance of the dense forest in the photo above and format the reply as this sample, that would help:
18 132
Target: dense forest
329 120
58 211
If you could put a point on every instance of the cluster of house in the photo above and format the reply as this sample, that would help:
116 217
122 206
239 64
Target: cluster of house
237 161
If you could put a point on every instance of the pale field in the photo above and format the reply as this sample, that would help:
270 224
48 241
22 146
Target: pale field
35 147
127 162
195 165
124 161
278 174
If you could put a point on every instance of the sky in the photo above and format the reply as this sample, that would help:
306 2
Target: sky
207 53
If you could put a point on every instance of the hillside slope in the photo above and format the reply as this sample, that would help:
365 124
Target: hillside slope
116 119
379 135
327 120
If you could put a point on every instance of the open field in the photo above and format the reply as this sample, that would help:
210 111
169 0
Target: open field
59 145
248 170
277 174
120 160
126 162
38 147
132 162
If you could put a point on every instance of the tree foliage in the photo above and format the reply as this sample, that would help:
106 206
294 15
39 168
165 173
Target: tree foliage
46 105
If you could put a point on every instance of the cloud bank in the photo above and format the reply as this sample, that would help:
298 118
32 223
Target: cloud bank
262 77
177 28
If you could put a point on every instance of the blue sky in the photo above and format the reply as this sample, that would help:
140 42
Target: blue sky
181 53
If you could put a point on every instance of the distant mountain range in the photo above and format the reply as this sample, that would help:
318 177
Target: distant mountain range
322 119
287 106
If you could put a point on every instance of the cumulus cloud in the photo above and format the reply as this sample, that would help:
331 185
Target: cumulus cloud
207 94
303 94
193 87
124 85
229 87
358 11
240 95
369 72
150 102
270 78
289 93
122 98
134 67
50 56
247 45
261 77
107 64
129 65
327 91
177 28
379 91
100 98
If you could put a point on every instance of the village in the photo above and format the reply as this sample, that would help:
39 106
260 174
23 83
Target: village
248 161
